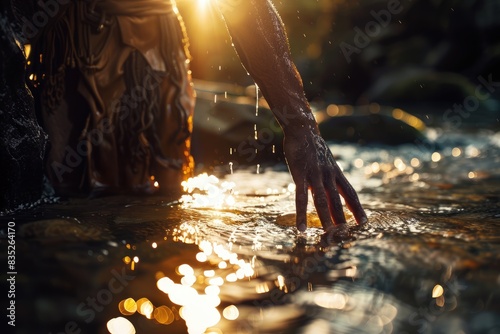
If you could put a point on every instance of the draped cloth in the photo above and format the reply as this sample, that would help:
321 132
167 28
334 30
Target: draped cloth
115 96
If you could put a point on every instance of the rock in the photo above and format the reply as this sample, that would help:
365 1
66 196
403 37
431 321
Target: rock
444 97
224 127
22 141
370 125
417 85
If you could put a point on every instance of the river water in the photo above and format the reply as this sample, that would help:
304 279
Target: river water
228 259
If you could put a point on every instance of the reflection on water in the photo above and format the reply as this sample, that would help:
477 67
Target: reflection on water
227 259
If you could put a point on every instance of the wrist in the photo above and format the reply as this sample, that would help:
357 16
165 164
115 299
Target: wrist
295 121
300 126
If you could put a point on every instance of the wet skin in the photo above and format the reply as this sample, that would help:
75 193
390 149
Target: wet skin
261 43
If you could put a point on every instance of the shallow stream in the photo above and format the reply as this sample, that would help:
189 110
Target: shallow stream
230 260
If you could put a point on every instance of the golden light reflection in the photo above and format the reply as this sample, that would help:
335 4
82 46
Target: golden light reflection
198 306
185 269
204 191
163 315
165 284
206 247
440 301
409 119
201 257
27 50
212 290
351 272
437 291
332 110
145 307
281 282
203 4
231 277
188 280
436 156
262 288
182 295
331 300
456 152
399 164
358 163
120 325
127 306
231 312
198 318
198 310
388 312
216 281
209 273
472 151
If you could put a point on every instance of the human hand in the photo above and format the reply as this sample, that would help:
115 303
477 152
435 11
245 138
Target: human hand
313 167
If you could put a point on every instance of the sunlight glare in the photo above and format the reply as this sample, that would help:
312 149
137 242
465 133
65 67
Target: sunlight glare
127 306
205 191
231 312
331 300
120 325
165 284
203 5
437 291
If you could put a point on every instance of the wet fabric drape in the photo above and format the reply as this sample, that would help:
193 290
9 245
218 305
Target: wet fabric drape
115 95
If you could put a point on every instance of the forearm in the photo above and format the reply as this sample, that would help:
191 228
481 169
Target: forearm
260 40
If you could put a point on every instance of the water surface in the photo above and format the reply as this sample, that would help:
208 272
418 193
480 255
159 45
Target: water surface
427 261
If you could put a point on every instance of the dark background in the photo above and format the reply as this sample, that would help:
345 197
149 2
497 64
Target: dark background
427 58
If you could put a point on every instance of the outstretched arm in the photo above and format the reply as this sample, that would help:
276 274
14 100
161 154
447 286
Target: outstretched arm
261 43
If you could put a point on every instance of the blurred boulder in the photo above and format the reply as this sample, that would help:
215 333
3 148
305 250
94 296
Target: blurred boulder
229 128
371 124
445 98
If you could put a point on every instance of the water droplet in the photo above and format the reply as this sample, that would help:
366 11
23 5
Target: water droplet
437 291
258 168
256 101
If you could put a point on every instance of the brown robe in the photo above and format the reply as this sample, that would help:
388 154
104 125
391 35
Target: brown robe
115 96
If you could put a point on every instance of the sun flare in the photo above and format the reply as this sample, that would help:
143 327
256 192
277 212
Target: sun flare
205 191
203 5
